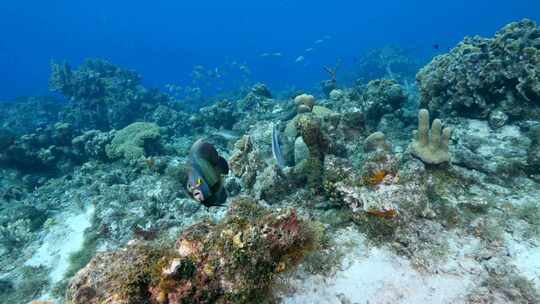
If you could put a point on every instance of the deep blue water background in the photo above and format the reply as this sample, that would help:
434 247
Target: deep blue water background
164 39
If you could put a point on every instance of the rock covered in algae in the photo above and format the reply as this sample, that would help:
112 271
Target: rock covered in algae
533 154
234 261
500 152
482 75
46 149
258 100
246 161
382 96
92 144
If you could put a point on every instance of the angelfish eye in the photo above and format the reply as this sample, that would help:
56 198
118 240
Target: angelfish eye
199 181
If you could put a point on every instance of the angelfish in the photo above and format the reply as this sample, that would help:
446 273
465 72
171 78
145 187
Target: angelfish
205 178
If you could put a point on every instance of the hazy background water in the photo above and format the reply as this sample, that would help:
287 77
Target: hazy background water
165 39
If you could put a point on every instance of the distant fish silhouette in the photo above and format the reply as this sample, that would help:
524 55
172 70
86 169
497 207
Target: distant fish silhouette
299 59
319 41
309 50
436 46
277 54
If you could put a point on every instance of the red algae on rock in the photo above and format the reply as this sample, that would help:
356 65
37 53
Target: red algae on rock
234 261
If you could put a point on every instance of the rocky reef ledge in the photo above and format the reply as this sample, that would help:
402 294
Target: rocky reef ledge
233 261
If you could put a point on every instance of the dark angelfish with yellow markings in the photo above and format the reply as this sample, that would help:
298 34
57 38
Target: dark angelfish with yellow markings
205 179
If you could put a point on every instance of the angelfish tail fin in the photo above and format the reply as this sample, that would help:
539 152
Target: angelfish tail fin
222 165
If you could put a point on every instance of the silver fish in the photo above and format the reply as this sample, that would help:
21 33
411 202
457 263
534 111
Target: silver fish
276 148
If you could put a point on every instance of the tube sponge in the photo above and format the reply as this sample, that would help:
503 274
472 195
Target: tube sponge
430 149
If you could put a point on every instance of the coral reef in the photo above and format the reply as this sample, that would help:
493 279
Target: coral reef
92 144
391 62
219 115
98 208
46 149
486 77
382 97
234 261
258 99
102 96
26 114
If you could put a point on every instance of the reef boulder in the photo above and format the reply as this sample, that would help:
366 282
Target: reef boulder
486 77
234 261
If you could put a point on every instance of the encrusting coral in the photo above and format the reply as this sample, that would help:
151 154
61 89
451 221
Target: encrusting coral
431 146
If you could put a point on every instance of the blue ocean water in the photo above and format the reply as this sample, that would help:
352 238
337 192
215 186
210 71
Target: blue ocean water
163 40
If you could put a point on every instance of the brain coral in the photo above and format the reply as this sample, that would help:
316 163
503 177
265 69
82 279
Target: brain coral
132 142
481 75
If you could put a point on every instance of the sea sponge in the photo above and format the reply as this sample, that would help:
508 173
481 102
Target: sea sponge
430 149
134 141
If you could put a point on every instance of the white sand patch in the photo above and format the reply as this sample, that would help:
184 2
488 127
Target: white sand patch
380 276
527 260
63 239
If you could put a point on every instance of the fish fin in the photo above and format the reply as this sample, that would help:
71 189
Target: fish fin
222 165
221 196
209 153
276 148
206 151
209 204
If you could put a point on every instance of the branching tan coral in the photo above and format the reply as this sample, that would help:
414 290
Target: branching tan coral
430 149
